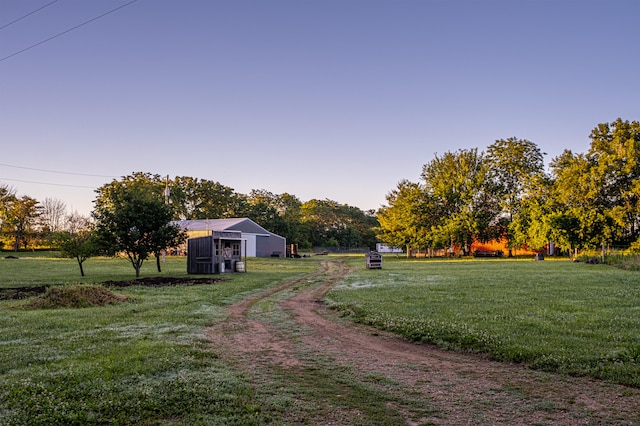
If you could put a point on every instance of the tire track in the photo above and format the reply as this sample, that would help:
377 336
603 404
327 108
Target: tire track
460 388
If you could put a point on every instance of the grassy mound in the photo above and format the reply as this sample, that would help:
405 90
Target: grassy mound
76 296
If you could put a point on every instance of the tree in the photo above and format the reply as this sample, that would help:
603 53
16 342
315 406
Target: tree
166 236
75 223
7 195
261 207
132 218
363 224
53 214
408 218
575 218
614 156
599 192
202 199
21 220
459 184
80 243
289 208
52 217
513 165
540 218
321 221
327 222
7 198
278 213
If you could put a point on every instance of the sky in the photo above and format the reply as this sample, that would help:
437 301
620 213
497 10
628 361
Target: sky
320 99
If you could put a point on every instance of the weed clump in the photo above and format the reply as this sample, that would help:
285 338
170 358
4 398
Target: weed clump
76 296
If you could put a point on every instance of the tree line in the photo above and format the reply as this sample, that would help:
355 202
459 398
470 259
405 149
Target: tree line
584 201
27 223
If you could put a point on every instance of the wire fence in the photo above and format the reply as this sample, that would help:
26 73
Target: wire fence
341 250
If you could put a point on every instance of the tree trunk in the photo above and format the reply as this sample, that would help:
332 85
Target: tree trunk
158 263
81 269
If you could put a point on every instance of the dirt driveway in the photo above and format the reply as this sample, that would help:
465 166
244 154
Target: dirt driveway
457 388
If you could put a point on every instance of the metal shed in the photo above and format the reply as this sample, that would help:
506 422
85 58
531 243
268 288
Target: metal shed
220 252
258 242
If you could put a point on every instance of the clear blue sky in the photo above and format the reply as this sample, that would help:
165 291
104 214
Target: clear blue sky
326 99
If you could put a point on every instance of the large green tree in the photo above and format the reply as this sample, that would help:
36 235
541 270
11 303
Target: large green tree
541 220
132 218
195 198
408 217
328 223
599 192
21 219
289 207
576 218
262 207
514 165
459 183
614 156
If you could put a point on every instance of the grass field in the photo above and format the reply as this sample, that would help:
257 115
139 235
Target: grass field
553 315
147 361
134 363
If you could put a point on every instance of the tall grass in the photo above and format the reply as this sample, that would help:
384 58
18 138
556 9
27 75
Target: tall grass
553 315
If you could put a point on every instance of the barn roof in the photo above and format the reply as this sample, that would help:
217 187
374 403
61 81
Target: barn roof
243 224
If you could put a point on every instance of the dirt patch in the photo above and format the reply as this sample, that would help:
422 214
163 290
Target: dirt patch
162 282
19 293
458 388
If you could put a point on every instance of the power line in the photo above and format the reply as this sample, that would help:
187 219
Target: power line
54 171
28 14
67 31
47 183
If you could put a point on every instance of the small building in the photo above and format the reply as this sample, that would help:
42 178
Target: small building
257 241
217 253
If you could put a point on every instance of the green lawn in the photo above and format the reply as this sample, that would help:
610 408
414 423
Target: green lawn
46 268
148 361
142 362
553 315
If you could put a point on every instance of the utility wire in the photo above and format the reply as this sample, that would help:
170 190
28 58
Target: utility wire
54 171
28 14
67 31
47 183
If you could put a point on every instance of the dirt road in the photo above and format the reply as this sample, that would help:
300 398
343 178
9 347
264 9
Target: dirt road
287 327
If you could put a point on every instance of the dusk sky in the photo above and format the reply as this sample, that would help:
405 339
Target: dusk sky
323 99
